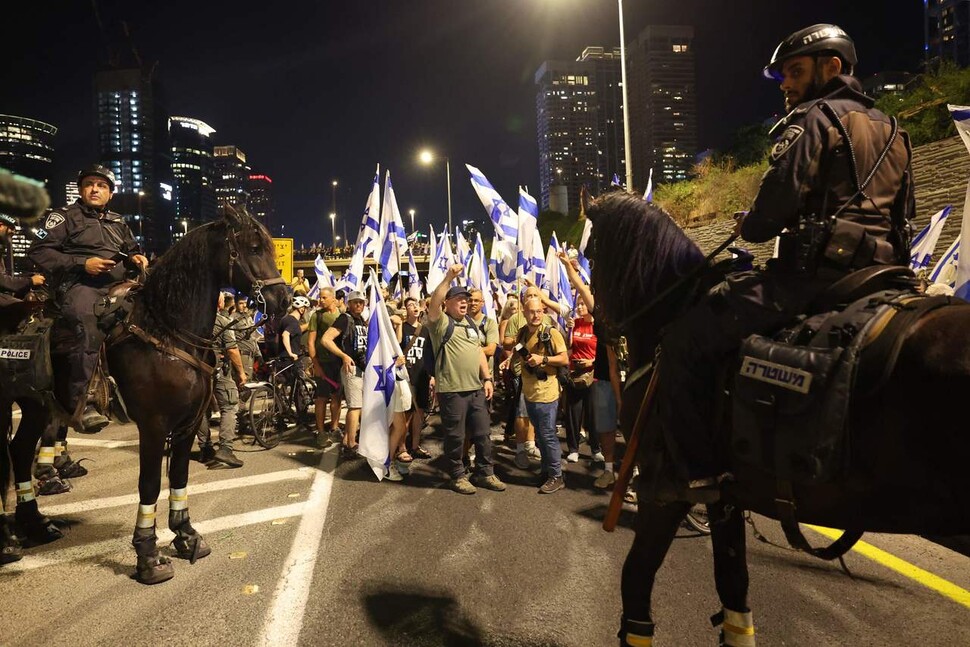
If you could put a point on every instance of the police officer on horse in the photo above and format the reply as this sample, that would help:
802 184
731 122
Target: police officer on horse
838 193
84 247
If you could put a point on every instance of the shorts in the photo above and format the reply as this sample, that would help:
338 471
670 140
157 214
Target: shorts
329 384
353 388
401 400
421 391
603 403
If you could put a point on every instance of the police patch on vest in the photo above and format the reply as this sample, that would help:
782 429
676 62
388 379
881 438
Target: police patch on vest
54 220
789 137
786 377
14 353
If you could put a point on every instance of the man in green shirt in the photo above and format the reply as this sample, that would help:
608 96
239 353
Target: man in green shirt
463 383
326 366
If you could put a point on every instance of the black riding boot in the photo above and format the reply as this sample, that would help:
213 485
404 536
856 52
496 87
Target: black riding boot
188 543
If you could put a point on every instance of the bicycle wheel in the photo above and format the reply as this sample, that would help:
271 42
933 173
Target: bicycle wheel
263 416
303 399
698 520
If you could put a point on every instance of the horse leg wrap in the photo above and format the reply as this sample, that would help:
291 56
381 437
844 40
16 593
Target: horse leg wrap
151 567
188 543
36 527
25 492
635 633
737 628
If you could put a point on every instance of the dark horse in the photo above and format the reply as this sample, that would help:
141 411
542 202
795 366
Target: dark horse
908 467
162 361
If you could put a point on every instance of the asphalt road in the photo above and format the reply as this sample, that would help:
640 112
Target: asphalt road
306 551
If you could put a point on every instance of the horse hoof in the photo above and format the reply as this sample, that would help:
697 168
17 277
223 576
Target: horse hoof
191 548
154 570
9 551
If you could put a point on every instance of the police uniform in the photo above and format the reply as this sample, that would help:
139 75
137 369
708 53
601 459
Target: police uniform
225 390
66 238
247 338
811 193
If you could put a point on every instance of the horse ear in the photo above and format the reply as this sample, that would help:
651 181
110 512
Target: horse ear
232 217
584 201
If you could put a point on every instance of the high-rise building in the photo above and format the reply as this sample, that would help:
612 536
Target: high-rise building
26 148
231 176
567 131
608 83
261 206
193 169
133 143
663 104
946 30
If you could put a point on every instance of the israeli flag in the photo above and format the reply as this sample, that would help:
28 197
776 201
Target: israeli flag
945 270
503 261
414 279
921 251
585 272
393 236
355 272
616 181
537 271
648 194
528 217
478 277
961 282
324 275
503 218
379 384
370 228
443 259
557 280
462 249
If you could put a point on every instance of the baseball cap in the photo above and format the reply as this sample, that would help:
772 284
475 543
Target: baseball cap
356 296
457 291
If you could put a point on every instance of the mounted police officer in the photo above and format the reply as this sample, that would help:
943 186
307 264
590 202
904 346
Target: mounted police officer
838 192
84 248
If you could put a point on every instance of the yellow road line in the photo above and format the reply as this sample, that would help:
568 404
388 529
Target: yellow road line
915 573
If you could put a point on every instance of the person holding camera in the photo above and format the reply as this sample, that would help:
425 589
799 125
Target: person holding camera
540 351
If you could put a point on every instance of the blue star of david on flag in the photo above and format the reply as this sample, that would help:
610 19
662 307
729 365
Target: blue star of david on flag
385 382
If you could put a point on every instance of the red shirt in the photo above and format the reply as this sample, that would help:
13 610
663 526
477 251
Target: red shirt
583 342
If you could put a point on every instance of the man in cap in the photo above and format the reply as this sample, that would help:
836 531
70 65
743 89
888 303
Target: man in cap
346 339
839 194
84 248
463 383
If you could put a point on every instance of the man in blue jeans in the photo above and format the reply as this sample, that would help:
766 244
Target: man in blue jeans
540 349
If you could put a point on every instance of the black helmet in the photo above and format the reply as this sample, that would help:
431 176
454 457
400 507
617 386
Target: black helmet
100 171
817 39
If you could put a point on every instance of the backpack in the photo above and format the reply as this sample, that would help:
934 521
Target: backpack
430 357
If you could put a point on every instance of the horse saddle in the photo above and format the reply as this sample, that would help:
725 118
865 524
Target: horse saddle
793 390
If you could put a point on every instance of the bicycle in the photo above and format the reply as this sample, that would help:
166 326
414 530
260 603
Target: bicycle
278 400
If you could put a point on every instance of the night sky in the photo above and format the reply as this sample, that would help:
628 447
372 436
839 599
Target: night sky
315 91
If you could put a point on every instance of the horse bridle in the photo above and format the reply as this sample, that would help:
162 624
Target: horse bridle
258 284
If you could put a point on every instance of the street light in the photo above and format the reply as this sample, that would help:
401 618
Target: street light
333 204
185 227
141 194
426 157
333 229
628 153
411 211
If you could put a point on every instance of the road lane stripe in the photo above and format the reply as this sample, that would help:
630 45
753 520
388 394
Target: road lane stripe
298 473
77 441
915 573
108 546
285 618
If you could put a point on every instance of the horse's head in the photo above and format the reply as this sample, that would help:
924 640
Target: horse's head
637 250
252 262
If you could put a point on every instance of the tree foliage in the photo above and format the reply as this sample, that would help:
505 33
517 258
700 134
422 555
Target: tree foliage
718 190
922 110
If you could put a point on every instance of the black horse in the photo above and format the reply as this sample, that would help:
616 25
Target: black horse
908 472
162 361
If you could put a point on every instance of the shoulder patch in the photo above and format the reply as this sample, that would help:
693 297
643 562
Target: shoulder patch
785 142
53 220
40 234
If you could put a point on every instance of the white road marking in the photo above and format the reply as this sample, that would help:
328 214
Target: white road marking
285 618
215 486
76 441
108 546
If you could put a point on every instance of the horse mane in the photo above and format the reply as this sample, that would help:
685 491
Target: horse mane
180 281
638 252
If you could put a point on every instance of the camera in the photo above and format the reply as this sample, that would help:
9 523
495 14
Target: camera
535 370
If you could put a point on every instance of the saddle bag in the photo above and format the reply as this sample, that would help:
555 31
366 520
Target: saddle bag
25 360
790 409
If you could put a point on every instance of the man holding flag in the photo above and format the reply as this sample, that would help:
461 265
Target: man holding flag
463 383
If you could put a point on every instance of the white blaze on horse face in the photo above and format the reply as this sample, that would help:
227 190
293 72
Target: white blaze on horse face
178 499
146 516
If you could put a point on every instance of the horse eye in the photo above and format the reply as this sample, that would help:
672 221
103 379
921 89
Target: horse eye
254 249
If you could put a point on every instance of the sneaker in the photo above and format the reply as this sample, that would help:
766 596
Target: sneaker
533 452
92 422
572 457
490 482
522 460
598 457
225 456
605 481
553 484
393 474
463 486
323 441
